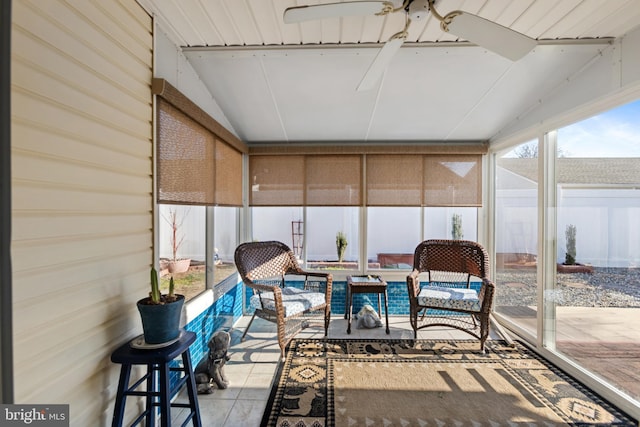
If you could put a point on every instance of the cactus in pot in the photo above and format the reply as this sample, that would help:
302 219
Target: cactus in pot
160 313
155 296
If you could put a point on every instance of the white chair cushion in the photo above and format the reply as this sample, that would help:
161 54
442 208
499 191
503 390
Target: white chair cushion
456 298
295 300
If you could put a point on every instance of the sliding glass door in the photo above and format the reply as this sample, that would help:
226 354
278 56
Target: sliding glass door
567 245
597 289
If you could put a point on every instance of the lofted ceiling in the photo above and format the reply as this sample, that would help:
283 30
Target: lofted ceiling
291 83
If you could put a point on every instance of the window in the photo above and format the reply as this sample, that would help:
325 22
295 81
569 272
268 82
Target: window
323 226
451 223
589 285
190 224
225 231
402 197
392 236
199 177
598 244
182 248
276 223
516 235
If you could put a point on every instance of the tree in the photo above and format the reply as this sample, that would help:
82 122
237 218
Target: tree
175 238
527 151
530 151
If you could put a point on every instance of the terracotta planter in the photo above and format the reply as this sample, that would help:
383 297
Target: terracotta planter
179 266
575 268
160 322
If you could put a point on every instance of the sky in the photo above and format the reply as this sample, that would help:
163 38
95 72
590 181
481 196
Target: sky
614 133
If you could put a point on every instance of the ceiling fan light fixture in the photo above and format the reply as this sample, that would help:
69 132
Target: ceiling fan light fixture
494 37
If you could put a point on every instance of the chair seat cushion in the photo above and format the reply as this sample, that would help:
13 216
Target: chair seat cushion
453 298
295 300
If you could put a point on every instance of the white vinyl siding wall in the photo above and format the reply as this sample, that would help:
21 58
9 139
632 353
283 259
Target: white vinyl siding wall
82 220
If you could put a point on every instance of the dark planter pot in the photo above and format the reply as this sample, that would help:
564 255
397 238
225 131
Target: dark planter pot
160 322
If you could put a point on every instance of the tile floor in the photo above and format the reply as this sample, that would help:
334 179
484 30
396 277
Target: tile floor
253 364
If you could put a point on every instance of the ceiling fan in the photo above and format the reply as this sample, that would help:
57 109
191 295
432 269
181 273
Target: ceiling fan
488 34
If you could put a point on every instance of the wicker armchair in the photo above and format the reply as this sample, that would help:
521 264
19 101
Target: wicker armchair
269 269
448 298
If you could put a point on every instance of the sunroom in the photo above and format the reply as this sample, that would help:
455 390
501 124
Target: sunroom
537 159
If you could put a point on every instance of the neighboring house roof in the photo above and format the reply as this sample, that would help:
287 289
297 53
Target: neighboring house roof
572 170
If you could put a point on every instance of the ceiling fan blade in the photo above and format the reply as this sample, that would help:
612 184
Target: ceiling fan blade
380 63
490 35
332 10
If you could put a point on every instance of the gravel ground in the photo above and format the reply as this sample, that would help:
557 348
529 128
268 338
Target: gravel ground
606 287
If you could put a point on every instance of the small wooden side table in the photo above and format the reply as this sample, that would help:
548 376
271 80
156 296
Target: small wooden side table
157 393
365 285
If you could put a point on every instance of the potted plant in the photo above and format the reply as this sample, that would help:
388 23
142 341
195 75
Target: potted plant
341 245
160 313
176 265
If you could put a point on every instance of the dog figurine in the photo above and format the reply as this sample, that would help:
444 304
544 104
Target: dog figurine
368 318
211 368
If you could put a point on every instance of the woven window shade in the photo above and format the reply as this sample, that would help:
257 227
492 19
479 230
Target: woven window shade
333 180
186 163
228 184
394 180
453 180
276 180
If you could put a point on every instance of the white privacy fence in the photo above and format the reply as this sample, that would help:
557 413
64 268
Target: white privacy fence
607 222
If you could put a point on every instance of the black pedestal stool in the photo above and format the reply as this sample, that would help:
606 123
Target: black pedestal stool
158 391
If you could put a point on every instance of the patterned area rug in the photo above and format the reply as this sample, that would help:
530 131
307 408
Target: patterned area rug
423 383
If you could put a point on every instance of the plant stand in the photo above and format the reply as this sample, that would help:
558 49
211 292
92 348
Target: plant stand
158 394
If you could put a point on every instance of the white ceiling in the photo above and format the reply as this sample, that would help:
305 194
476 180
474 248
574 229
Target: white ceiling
281 82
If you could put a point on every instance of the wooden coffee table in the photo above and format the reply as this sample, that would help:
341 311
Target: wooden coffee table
365 285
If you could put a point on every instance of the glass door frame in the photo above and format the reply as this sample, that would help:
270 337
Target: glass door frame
545 341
